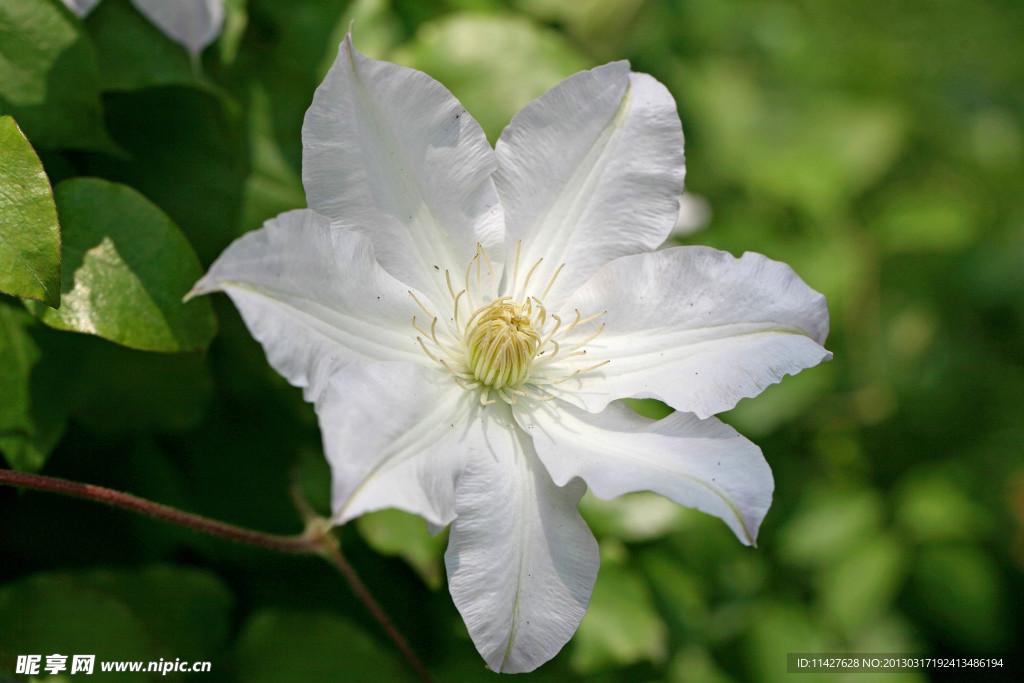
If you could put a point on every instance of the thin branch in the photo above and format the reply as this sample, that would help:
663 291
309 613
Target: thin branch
317 539
337 559
304 544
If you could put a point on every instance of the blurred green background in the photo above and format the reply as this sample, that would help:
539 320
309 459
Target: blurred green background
876 146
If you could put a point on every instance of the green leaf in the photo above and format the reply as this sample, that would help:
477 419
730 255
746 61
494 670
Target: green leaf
126 268
185 611
280 646
48 613
157 612
30 425
621 626
29 232
50 83
187 155
124 391
394 532
133 52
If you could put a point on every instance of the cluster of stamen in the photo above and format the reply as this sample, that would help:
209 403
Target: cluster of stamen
502 344
504 348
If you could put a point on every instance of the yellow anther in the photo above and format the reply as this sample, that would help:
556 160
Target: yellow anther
501 345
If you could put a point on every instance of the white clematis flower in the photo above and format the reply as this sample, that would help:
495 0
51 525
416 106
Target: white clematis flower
192 23
464 317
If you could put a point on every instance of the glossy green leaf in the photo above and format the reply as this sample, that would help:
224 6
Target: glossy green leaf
30 425
282 647
29 231
133 52
49 82
126 268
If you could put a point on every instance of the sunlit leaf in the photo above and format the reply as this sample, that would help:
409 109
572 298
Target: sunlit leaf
125 270
29 232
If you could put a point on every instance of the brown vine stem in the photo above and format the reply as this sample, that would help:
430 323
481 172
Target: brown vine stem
317 539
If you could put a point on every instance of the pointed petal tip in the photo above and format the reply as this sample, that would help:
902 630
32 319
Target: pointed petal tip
198 289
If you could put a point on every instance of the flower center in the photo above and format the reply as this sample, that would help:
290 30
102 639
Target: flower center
509 348
501 344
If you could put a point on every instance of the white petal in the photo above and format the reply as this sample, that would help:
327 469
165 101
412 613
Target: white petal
81 7
703 464
521 561
315 298
388 151
393 434
193 23
590 171
698 328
